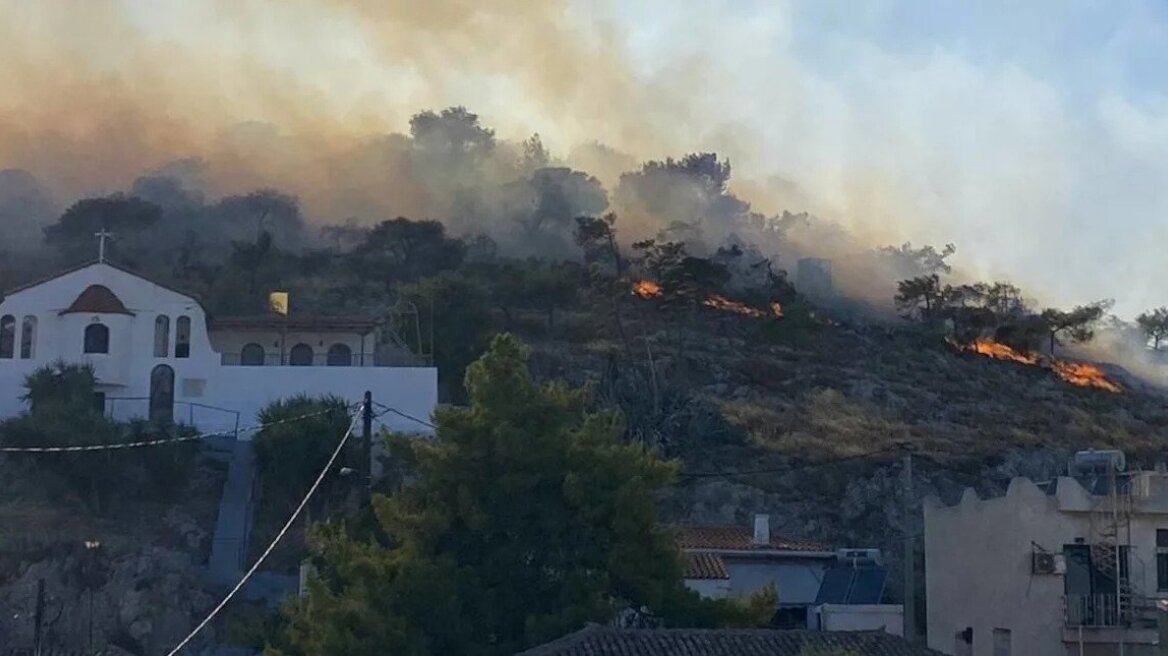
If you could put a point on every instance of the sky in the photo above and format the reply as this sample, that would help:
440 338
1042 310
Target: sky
1033 135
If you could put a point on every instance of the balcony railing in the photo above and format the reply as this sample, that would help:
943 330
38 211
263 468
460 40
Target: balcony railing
1098 610
317 360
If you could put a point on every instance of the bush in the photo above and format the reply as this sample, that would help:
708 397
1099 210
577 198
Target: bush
63 413
293 448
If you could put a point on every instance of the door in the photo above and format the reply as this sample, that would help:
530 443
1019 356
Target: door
162 394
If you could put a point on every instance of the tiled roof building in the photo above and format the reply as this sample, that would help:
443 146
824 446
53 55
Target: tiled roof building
601 641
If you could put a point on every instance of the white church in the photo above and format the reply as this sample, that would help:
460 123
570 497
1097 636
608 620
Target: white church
156 354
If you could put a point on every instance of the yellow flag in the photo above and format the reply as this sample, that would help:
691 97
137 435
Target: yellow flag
278 303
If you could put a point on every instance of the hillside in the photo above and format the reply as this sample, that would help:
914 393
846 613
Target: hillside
809 420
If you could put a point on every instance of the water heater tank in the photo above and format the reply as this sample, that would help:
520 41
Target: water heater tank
1098 462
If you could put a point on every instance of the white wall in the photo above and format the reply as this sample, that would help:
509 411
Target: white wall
978 565
859 617
230 343
200 378
709 588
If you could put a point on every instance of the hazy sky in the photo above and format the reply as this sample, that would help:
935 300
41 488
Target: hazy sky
1033 135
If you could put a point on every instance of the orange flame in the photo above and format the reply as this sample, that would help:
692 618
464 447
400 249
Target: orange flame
1080 374
646 289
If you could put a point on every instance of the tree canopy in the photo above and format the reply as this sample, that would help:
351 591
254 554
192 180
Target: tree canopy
524 519
1154 324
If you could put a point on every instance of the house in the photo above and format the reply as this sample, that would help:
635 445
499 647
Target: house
1077 565
156 354
818 587
596 640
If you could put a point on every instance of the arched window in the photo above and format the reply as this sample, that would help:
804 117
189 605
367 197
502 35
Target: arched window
162 394
28 337
182 337
340 355
252 355
161 336
97 338
300 356
7 336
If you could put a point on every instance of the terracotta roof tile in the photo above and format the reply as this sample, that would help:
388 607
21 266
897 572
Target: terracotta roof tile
705 566
602 641
97 299
739 538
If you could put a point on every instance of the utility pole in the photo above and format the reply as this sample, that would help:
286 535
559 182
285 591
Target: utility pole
367 447
910 617
39 618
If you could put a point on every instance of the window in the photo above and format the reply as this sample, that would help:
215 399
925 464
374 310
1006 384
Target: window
28 338
252 355
1001 642
1162 560
182 337
340 355
300 356
97 338
7 336
99 402
162 336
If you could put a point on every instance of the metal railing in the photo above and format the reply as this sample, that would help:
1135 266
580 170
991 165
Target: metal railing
325 360
126 407
317 360
1097 610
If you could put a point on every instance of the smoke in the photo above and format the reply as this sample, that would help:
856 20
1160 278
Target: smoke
887 123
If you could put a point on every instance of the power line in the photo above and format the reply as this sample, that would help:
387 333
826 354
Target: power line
263 556
386 409
158 441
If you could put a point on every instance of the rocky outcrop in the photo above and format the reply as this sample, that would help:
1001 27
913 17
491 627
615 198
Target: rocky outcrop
142 601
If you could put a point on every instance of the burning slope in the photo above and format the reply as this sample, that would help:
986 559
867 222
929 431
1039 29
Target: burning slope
1080 374
647 289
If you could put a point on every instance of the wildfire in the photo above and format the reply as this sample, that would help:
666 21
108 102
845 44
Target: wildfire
648 289
1081 374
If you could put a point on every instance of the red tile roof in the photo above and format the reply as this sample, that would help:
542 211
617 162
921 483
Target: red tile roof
705 566
739 538
602 641
97 299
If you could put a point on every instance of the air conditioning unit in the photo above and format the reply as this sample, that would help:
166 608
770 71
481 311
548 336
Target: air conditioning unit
860 556
1044 562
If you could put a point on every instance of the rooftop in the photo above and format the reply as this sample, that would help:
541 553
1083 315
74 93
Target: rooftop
97 299
307 323
740 538
705 566
602 641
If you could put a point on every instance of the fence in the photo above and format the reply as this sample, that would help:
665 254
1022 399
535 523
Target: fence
1096 610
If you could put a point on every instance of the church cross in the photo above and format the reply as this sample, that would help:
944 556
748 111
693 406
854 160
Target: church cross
101 238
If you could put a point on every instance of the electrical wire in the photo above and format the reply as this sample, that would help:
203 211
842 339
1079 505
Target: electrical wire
263 556
387 409
159 441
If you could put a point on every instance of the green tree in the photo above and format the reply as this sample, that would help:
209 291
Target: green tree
401 250
1077 325
524 519
129 218
1154 324
924 297
301 433
457 309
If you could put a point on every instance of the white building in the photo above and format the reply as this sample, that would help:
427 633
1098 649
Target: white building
155 353
1034 572
818 587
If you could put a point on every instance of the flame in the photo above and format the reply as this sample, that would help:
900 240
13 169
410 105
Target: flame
726 305
646 289
1000 351
1083 375
1080 374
